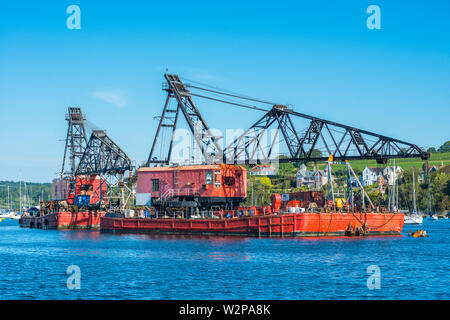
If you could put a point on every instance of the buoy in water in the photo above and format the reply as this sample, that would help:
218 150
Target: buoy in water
418 234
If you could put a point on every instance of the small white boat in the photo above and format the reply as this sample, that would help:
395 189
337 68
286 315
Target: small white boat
433 217
5 215
413 218
14 216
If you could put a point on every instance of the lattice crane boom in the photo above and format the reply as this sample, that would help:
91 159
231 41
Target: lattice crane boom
103 156
207 142
342 141
76 139
365 144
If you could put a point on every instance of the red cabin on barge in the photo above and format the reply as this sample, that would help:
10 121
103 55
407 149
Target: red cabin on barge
202 186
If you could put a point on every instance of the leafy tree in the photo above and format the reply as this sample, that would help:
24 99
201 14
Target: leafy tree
316 153
438 189
431 150
304 188
286 169
447 189
374 196
445 147
265 181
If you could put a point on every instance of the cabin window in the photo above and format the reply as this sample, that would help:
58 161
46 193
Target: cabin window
155 185
86 187
209 177
228 181
217 178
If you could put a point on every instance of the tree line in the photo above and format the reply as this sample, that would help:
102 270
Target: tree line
31 193
444 148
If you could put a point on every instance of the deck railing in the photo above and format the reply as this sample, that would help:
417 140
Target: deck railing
180 192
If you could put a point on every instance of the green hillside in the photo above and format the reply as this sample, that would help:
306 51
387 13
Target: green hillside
260 188
417 163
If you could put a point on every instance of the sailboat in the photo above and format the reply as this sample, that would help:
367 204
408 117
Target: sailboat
414 217
3 215
431 216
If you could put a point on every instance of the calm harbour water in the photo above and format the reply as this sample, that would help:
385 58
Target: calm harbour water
34 263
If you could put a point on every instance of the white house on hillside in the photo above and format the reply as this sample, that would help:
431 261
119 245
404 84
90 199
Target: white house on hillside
388 174
370 175
263 170
312 179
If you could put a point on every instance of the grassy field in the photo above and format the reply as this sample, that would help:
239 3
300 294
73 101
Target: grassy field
416 163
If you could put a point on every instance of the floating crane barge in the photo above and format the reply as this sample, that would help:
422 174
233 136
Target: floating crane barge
205 199
82 195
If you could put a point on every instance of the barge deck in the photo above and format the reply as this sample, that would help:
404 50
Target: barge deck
64 220
281 225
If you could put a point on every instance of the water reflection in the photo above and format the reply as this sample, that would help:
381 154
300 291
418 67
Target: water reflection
80 234
223 256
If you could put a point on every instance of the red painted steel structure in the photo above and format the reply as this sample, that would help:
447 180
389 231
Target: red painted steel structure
283 225
300 199
64 220
64 189
219 182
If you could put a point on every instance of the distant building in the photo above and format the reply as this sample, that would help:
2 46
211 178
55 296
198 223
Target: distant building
436 168
389 175
423 177
354 182
371 175
311 179
263 170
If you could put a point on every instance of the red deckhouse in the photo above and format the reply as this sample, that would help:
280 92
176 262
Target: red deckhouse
195 186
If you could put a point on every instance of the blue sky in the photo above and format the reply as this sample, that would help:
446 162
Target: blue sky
316 55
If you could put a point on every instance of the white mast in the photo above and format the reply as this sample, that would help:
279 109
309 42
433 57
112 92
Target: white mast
20 194
414 193
394 180
389 196
25 195
330 182
396 186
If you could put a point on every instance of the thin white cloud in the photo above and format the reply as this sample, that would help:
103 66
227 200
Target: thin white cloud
116 98
200 74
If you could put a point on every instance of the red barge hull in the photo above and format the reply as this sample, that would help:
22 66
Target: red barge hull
283 225
64 220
